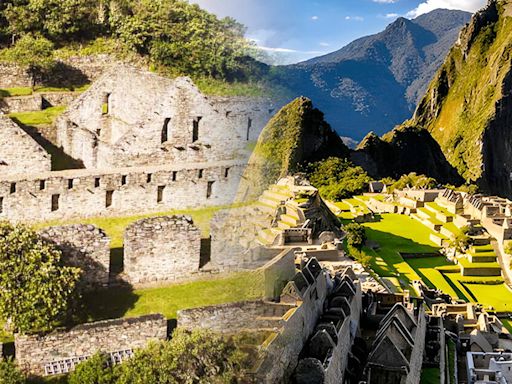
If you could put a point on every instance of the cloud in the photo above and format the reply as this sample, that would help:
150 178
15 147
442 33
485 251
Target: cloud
288 50
355 18
391 15
430 5
314 18
385 1
324 44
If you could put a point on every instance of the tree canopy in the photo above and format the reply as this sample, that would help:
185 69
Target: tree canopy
35 288
177 36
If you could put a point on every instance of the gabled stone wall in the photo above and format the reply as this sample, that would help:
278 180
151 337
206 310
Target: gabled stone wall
164 248
86 247
19 153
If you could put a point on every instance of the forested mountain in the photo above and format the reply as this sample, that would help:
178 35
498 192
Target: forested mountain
375 82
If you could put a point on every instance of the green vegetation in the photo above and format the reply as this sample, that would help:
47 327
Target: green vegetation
173 36
45 117
430 376
356 235
167 300
412 180
27 91
9 373
36 288
337 179
465 93
201 354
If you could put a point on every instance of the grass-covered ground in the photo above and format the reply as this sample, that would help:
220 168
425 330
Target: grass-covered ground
45 117
430 376
395 233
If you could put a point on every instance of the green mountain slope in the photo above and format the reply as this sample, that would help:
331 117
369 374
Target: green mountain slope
468 106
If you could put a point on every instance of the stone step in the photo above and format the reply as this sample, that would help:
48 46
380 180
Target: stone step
276 196
269 202
431 209
288 219
284 225
267 236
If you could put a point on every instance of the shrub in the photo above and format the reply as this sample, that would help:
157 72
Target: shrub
9 373
95 370
356 235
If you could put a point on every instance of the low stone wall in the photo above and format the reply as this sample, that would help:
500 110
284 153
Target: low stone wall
164 248
12 76
61 350
21 104
233 317
86 247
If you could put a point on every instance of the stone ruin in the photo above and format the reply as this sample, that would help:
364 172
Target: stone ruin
61 350
137 118
86 247
161 249
19 152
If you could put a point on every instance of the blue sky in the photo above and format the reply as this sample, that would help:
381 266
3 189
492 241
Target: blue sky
295 30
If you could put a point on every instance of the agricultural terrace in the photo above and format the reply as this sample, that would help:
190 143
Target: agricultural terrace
393 235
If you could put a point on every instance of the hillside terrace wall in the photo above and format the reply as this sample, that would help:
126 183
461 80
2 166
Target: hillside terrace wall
36 102
163 248
136 118
59 351
82 193
19 152
86 247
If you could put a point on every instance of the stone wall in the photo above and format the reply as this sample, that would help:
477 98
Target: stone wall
234 317
19 153
132 117
73 71
164 248
82 193
61 350
35 102
86 247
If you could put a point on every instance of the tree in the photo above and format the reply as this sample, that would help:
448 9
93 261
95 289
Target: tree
33 53
9 373
337 178
95 370
189 357
413 180
356 235
461 242
35 288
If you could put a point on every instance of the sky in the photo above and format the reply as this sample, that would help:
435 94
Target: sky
290 31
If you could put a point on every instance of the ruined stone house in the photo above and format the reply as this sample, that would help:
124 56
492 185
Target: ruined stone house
131 117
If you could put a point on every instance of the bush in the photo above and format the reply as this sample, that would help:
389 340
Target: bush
9 373
356 235
95 370
412 180
337 179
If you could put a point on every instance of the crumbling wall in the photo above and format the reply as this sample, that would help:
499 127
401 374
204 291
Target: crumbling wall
19 153
61 350
82 193
163 248
86 247
138 118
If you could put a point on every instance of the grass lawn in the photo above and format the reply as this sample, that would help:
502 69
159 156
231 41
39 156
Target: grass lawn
167 300
430 376
27 91
44 117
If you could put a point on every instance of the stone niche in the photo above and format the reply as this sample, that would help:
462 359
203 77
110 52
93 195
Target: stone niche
163 248
83 246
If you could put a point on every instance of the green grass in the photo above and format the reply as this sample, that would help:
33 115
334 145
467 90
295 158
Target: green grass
27 91
44 117
430 376
167 300
114 227
215 87
19 91
451 361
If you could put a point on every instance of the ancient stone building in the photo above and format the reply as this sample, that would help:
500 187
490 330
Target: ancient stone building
81 193
161 249
131 117
19 152
60 351
86 247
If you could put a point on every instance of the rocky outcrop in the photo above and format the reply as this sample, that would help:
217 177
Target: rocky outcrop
295 136
401 151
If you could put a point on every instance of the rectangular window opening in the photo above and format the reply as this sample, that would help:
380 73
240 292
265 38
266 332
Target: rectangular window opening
109 198
105 106
149 177
13 188
195 129
55 202
123 180
249 126
174 175
96 182
1 205
226 173
70 183
160 193
42 185
165 131
209 189
200 173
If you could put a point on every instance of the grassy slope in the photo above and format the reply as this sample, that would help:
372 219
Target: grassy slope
470 103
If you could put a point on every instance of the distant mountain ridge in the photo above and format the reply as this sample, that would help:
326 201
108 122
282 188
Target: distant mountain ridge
375 82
